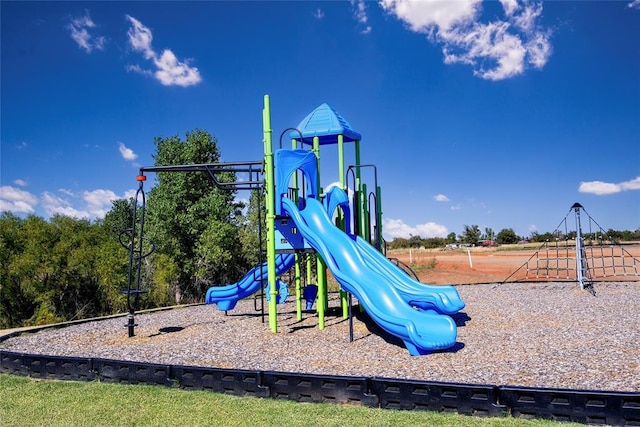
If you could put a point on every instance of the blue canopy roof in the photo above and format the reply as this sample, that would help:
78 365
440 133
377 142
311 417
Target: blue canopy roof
325 123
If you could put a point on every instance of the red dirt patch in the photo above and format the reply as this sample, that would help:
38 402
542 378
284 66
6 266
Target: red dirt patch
490 265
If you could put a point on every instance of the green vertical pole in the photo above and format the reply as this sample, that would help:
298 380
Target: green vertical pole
379 219
270 201
341 160
298 256
366 225
298 288
359 199
358 202
344 303
322 280
321 267
308 269
358 189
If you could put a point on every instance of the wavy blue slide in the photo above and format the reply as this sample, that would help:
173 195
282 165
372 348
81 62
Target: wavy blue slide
421 331
443 299
227 296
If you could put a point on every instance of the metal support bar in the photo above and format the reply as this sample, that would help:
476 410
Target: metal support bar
214 169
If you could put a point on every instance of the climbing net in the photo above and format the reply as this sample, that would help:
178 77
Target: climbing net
574 256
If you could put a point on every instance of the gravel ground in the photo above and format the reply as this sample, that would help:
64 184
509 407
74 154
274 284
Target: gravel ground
539 335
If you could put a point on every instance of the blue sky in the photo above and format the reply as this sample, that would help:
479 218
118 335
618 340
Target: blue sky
498 114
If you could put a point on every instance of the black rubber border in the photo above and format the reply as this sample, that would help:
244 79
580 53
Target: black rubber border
582 406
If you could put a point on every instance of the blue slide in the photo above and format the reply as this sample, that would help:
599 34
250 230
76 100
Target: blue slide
421 331
227 296
443 299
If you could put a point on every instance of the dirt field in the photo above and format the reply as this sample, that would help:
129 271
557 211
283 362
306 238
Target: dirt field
490 265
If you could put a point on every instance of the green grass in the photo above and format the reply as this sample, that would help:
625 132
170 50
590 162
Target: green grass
26 401
430 264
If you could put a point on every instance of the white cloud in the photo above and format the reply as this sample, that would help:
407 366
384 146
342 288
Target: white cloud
138 69
509 6
53 205
173 72
491 41
495 50
169 70
82 29
392 228
87 204
538 50
441 198
601 188
99 202
318 14
426 16
140 38
17 201
126 153
130 194
360 14
20 182
635 4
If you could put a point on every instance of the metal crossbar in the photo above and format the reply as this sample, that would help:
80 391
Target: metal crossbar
255 167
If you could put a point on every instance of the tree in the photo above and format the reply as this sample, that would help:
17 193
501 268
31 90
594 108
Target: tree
49 270
191 220
398 243
254 228
113 262
75 290
118 218
507 236
471 234
14 298
29 272
489 234
111 270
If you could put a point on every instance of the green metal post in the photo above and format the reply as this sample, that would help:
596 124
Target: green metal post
324 301
358 189
366 225
321 267
270 201
298 289
379 219
344 302
341 170
298 280
360 198
308 270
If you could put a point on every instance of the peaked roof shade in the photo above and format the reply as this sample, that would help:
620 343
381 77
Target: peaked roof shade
325 123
